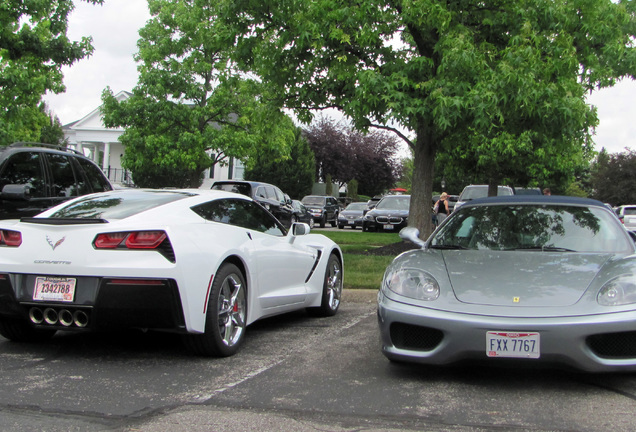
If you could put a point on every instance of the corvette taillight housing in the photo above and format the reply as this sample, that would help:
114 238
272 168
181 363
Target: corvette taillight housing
148 240
10 238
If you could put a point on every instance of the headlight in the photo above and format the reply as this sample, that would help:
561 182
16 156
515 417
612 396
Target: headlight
619 291
413 283
368 217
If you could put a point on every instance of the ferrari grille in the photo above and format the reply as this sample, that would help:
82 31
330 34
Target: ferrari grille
412 337
613 345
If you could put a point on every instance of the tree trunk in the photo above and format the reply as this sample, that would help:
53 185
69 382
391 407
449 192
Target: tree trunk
421 209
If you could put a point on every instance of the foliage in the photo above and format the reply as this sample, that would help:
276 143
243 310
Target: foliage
352 189
502 82
345 154
51 132
613 177
293 174
33 48
190 102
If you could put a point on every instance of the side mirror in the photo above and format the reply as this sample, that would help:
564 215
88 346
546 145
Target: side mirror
412 234
16 192
298 229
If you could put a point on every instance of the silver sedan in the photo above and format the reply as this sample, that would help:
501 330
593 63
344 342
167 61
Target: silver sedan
524 279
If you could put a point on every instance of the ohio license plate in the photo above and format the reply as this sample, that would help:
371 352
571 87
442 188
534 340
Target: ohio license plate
54 289
512 344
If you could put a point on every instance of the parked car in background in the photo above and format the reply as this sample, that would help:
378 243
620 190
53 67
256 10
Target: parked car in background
301 214
323 208
472 192
515 280
35 177
352 215
527 191
201 263
390 214
267 195
627 215
373 202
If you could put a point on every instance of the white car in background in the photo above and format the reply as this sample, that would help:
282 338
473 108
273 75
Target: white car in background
627 215
202 263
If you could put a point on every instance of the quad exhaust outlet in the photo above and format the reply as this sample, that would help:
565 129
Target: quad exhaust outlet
59 316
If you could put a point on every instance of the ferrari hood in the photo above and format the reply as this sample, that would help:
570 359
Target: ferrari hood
523 278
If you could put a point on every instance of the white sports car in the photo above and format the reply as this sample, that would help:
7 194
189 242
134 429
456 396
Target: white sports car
198 262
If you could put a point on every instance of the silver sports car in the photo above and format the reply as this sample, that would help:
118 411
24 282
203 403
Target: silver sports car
530 279
202 263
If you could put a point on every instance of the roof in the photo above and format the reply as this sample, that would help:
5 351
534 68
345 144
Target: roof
535 199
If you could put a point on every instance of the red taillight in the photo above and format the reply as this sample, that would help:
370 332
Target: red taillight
145 239
10 238
109 240
130 240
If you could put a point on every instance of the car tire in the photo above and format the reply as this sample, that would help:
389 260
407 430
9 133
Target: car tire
334 222
331 289
226 316
22 331
323 222
340 226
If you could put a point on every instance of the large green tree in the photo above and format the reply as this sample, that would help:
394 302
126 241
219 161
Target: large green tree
190 102
33 48
613 177
294 174
503 79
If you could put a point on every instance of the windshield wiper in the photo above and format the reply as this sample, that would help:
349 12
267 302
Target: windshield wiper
542 248
451 247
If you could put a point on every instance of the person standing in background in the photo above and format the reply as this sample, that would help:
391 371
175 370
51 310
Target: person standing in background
442 208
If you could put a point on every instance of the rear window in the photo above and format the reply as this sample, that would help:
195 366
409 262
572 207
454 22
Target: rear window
314 200
117 204
630 211
240 188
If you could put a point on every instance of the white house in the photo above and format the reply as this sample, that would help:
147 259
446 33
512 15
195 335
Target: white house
89 136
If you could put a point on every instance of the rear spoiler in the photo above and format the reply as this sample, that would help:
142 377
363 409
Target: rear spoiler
62 221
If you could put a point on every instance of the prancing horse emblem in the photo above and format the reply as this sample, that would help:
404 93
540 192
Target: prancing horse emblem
57 243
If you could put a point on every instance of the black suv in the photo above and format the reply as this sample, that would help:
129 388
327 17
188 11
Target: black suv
323 208
35 176
267 195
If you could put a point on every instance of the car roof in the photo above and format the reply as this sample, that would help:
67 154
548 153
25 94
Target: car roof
535 199
19 147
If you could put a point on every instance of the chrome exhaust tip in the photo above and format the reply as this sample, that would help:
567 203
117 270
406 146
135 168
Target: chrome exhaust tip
36 316
50 316
80 318
65 317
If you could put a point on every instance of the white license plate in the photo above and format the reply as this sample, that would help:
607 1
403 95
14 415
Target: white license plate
512 344
352 222
388 227
54 289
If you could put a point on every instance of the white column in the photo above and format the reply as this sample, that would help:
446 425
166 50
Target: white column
106 161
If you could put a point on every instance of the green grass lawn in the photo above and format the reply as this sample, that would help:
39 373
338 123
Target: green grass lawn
362 271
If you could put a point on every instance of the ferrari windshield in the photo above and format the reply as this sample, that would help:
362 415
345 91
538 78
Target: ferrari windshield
117 204
559 228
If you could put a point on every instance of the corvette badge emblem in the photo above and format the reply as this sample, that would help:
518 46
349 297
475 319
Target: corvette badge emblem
56 244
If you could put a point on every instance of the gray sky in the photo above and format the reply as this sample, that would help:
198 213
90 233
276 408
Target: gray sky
114 27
